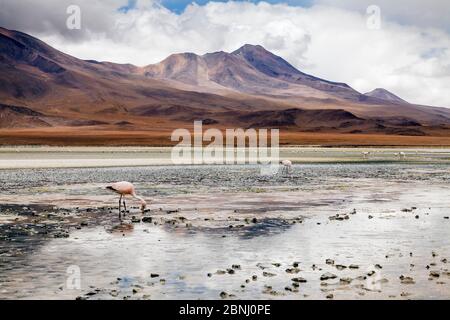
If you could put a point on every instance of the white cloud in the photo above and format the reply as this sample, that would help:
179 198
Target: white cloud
411 60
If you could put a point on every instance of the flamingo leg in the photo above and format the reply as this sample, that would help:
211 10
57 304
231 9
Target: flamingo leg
120 205
125 206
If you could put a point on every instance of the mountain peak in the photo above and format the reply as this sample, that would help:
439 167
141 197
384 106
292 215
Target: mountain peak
381 93
250 47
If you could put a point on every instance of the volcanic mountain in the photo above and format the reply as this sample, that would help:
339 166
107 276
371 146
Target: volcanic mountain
41 87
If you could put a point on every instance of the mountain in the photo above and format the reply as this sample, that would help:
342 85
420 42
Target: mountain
41 87
385 95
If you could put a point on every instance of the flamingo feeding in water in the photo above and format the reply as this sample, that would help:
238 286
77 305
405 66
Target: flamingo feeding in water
125 188
287 166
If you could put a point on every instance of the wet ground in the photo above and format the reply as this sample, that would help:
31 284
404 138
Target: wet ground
324 231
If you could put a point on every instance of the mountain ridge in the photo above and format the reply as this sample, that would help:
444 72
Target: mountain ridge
227 89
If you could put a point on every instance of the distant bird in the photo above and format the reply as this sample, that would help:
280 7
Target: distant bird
125 188
287 166
366 154
401 155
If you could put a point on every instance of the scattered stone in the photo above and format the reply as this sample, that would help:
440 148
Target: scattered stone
147 219
299 280
327 276
276 264
154 275
340 267
292 270
378 266
223 295
236 266
353 266
329 261
268 274
330 296
345 280
406 280
434 274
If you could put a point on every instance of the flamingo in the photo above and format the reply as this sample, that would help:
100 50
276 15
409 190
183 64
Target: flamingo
287 166
125 188
401 155
366 154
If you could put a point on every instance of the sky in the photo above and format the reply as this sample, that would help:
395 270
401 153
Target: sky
406 50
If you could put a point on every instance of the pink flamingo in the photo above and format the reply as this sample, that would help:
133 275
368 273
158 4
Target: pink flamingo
126 188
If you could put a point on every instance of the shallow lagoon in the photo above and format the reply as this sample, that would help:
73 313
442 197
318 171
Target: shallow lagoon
205 219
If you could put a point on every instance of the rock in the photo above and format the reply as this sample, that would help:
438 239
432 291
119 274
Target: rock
154 275
345 280
370 217
417 216
327 276
292 270
254 277
299 280
223 295
434 274
268 274
147 219
230 271
330 296
406 280
295 264
220 272
209 275
340 267
236 266
353 266
276 264
434 254
134 219
378 266
329 261
371 273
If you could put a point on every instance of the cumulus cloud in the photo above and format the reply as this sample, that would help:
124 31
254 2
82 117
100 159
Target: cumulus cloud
326 40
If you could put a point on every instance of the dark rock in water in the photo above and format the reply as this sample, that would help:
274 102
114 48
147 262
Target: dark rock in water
154 275
147 219
340 267
209 275
292 270
378 266
268 274
345 280
329 261
330 296
236 266
254 220
254 277
295 264
406 280
299 280
135 219
327 276
223 295
276 264
230 271
417 216
434 274
370 217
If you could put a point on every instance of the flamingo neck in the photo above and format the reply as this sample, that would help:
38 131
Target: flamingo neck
140 199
